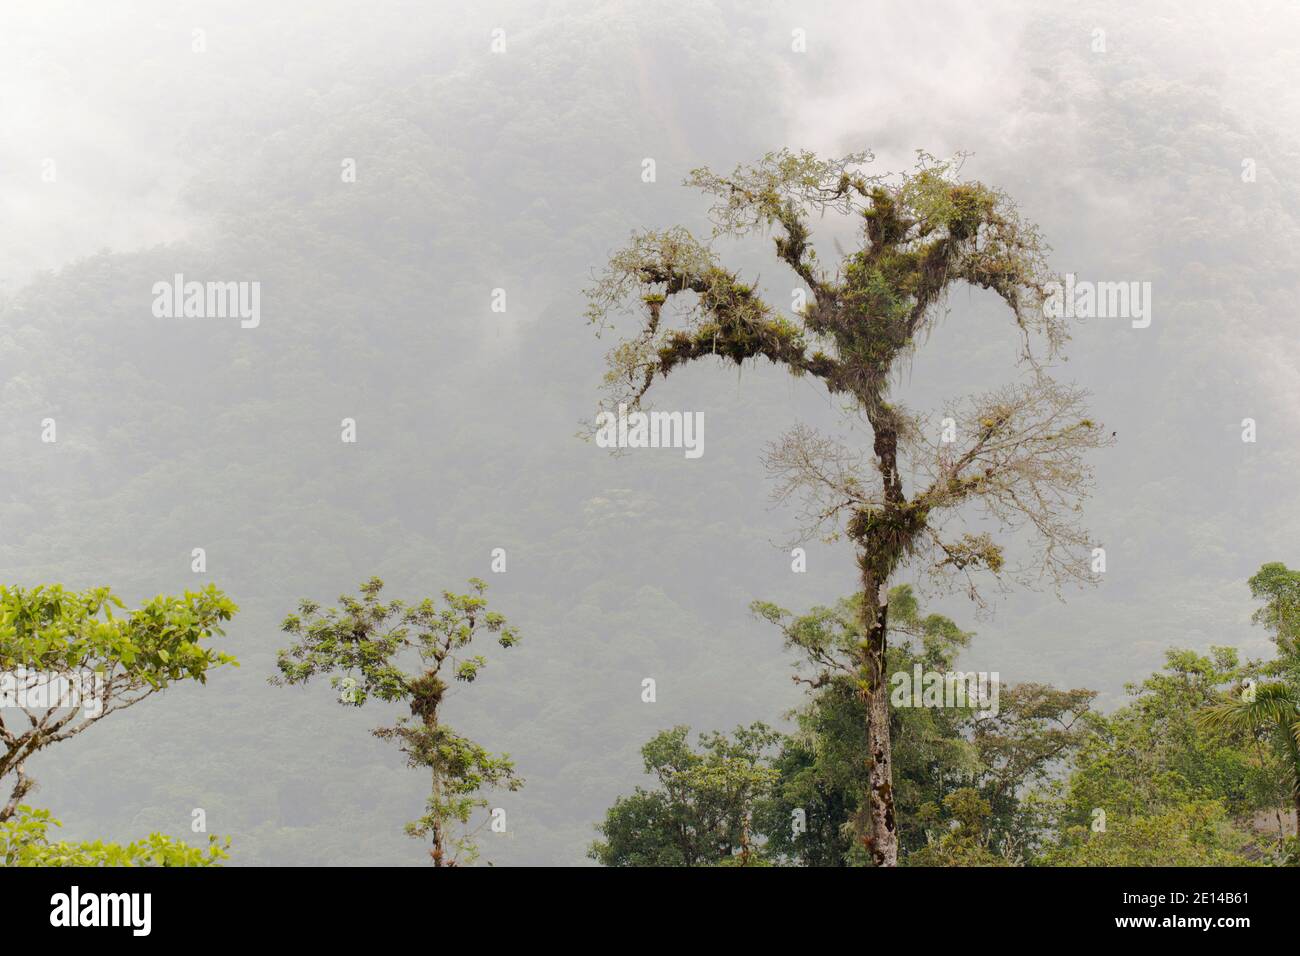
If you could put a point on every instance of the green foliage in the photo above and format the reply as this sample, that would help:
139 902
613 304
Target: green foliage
1279 588
965 842
1197 833
410 653
959 775
1155 754
938 752
24 841
47 630
1188 764
1271 710
822 773
702 811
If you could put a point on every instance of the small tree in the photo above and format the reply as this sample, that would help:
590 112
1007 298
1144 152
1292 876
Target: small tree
1279 588
966 841
67 661
702 813
365 646
1016 451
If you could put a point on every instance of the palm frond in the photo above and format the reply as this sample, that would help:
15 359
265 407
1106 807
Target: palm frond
1275 705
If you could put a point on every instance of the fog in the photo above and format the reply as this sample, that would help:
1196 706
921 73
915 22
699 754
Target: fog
135 148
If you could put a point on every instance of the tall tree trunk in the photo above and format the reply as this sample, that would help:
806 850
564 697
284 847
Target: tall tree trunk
883 536
880 834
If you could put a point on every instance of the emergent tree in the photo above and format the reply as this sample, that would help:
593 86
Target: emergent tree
1017 451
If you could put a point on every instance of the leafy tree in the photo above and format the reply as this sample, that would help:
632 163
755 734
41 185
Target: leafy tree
94 661
1271 709
1279 588
1017 452
24 841
966 841
1152 753
938 751
1020 750
1157 761
1184 834
820 769
365 646
702 812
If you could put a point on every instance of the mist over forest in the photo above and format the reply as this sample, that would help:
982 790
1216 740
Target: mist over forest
522 171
